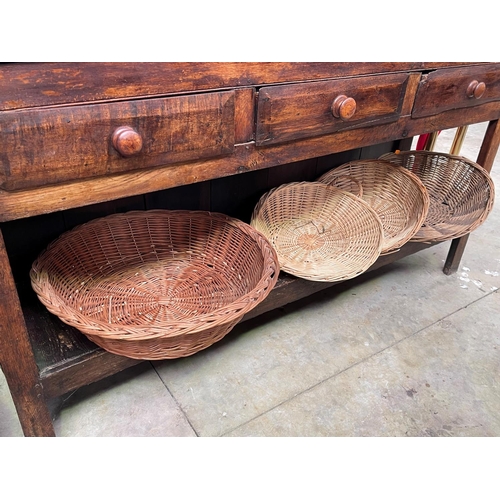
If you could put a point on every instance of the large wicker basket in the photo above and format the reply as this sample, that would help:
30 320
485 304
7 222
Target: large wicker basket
461 192
319 232
156 284
397 196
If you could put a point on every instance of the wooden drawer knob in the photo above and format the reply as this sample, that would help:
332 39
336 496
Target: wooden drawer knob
344 107
476 89
127 141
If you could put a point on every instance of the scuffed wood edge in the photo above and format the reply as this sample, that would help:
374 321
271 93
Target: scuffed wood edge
246 157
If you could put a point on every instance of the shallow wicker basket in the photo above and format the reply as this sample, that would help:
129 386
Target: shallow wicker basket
398 197
156 284
461 192
319 232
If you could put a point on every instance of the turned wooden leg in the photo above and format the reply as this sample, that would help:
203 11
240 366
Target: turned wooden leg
17 359
486 157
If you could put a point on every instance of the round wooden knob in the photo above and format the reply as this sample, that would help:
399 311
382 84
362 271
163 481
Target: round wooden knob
344 107
476 89
127 141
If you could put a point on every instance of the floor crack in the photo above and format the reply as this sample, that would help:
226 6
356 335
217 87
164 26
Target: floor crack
174 398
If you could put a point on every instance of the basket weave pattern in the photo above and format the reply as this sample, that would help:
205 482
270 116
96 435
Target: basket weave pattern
320 233
398 197
461 192
156 284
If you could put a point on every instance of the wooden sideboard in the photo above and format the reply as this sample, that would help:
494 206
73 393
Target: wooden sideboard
82 140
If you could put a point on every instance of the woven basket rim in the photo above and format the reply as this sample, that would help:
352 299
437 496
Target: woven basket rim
321 185
421 152
225 314
381 162
431 153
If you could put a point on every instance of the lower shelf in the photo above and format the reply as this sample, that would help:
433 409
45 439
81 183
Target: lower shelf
67 360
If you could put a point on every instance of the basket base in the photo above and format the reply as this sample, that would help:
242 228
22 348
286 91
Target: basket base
164 348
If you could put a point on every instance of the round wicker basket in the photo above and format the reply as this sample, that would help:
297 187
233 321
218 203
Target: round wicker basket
398 197
461 192
156 284
319 232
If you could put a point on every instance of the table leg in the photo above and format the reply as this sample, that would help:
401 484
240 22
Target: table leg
17 359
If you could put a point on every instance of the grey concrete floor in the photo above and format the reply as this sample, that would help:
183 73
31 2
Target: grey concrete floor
403 351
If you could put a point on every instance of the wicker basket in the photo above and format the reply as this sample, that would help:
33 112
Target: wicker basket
461 192
156 284
397 196
319 232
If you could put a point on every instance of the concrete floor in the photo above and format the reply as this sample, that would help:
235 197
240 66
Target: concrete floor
403 351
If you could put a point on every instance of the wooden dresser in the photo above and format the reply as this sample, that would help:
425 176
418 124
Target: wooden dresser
83 140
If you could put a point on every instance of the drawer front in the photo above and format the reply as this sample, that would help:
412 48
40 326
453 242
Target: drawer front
448 89
47 146
298 111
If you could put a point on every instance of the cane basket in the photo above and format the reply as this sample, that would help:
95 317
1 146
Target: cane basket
156 284
319 232
461 192
398 197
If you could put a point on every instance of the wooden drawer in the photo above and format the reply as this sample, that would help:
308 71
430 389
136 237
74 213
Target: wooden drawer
297 111
53 145
448 89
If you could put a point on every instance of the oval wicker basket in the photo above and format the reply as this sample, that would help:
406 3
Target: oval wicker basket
156 284
398 197
319 232
461 192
